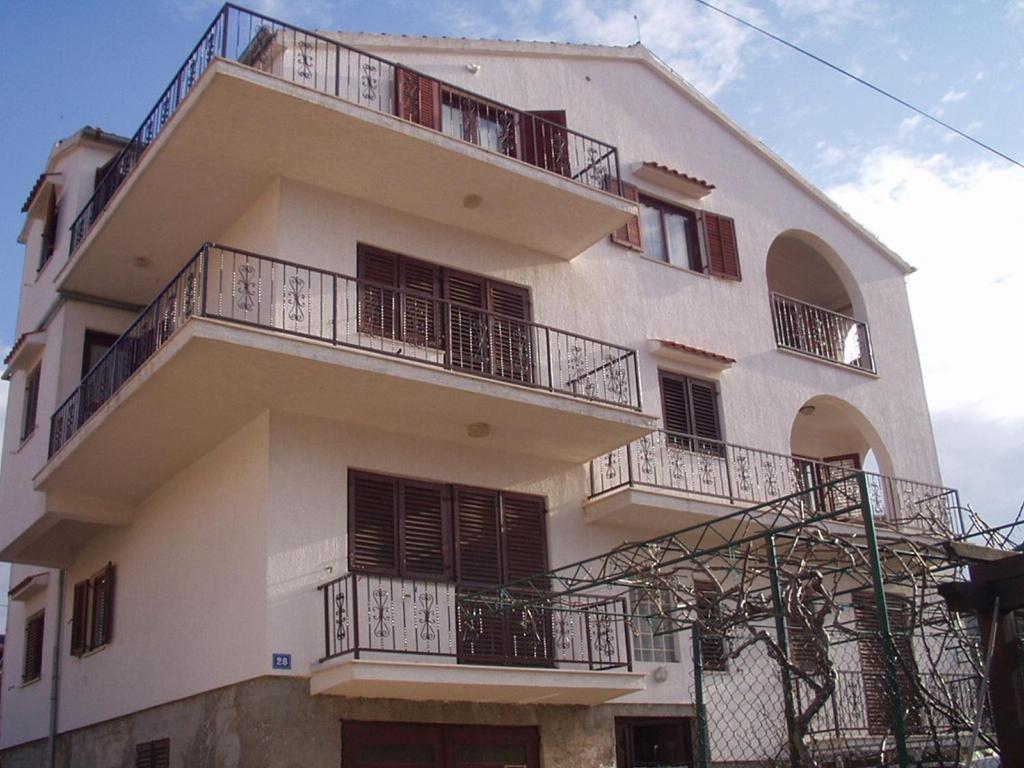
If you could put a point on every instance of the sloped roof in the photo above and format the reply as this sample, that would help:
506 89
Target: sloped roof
637 53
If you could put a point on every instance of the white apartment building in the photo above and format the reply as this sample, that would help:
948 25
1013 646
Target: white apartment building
356 324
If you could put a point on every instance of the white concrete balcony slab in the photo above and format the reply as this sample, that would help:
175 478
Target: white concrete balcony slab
235 118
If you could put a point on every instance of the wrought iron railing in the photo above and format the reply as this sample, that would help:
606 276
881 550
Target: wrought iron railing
736 473
252 290
332 68
383 615
822 333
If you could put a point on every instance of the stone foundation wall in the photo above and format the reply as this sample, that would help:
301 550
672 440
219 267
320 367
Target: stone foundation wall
274 722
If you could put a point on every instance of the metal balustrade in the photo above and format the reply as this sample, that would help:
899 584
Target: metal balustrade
366 614
248 289
738 474
822 333
329 67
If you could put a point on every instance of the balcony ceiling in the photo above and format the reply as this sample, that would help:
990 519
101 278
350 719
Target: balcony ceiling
212 378
419 681
240 129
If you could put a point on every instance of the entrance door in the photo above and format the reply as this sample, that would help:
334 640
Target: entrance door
407 745
653 742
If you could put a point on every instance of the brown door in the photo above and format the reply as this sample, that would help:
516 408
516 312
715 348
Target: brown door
546 141
846 492
407 745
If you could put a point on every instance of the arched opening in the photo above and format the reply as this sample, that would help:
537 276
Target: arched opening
828 429
817 308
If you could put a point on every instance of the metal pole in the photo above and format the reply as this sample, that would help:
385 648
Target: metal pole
783 638
51 741
888 646
703 748
983 683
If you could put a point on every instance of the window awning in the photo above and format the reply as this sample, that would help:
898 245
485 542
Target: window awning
684 183
28 587
684 353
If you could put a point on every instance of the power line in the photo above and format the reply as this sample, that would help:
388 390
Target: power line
862 81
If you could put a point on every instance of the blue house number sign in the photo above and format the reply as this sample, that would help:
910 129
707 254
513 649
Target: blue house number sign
282 660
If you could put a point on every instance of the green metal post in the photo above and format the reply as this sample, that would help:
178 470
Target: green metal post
703 748
888 646
781 633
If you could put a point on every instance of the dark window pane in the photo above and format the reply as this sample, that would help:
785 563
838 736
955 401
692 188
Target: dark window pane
490 754
396 754
681 235
660 745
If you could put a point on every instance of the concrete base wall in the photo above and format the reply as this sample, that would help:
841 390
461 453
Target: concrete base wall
273 722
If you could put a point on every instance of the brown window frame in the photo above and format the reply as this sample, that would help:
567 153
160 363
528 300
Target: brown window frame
92 612
714 655
32 662
93 339
696 261
153 754
443 737
50 229
30 405
691 439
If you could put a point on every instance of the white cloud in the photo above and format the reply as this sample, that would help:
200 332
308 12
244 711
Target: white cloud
909 124
952 96
1015 12
959 224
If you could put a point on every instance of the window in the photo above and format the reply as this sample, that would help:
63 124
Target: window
713 641
652 742
32 666
92 612
388 745
94 348
31 405
690 412
49 229
670 234
651 639
153 754
698 240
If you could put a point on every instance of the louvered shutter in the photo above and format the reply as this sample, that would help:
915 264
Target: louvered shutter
419 98
630 233
421 286
511 342
373 524
424 530
704 401
153 754
80 618
546 141
846 492
32 667
378 299
675 403
467 323
49 228
103 607
720 242
477 537
714 652
524 537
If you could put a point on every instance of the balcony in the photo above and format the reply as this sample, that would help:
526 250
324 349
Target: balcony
236 334
665 481
821 333
387 637
257 99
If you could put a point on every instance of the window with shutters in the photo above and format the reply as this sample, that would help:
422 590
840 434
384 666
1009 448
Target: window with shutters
700 241
481 324
153 754
418 98
49 229
30 408
32 664
92 612
714 641
94 347
690 413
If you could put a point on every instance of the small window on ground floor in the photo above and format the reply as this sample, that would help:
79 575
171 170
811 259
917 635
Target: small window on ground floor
648 742
413 745
652 640
153 754
32 666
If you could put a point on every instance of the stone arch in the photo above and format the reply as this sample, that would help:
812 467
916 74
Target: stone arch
826 426
802 266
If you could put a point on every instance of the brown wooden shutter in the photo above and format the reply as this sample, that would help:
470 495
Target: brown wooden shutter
720 241
629 234
704 399
511 342
32 666
372 523
80 618
675 403
477 537
469 343
714 653
49 228
31 407
546 141
420 316
424 530
103 607
524 537
153 754
377 272
419 98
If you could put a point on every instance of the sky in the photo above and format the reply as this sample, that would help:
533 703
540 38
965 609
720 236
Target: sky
949 208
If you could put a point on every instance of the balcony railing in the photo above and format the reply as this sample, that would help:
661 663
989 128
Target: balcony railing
251 290
822 333
332 68
384 615
738 474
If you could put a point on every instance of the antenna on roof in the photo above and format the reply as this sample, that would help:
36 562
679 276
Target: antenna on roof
639 39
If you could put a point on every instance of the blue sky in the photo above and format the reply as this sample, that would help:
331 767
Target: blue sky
946 206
